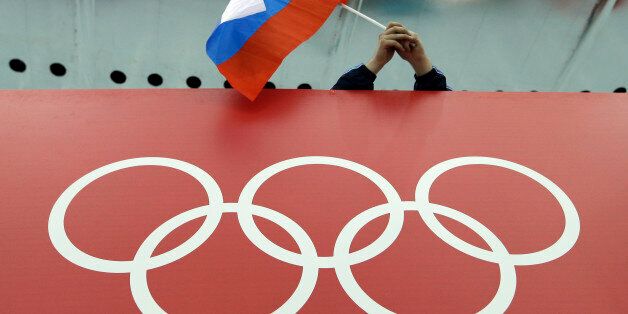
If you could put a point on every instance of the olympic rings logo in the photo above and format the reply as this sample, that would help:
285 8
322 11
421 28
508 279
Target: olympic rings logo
308 259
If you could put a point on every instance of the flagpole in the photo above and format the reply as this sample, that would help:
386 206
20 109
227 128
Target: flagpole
360 14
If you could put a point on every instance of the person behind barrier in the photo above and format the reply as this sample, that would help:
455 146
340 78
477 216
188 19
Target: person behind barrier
395 39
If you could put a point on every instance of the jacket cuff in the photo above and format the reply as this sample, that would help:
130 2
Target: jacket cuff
434 80
364 71
429 76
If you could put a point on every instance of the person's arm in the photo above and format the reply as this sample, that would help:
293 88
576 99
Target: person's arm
427 77
363 77
360 78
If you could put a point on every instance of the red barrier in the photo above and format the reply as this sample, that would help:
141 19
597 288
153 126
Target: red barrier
532 187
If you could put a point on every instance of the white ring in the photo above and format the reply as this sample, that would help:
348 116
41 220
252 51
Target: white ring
245 218
139 283
556 250
508 277
61 242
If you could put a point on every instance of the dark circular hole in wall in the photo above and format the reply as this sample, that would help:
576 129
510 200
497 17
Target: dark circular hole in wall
17 65
57 69
118 77
155 79
193 82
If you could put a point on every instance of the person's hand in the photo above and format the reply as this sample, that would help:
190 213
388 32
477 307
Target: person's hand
389 41
413 51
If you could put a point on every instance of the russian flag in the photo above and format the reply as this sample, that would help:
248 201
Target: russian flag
255 36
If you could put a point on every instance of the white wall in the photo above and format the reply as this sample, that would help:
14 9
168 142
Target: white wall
517 45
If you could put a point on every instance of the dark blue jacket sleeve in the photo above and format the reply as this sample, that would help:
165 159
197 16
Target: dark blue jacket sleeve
433 80
361 78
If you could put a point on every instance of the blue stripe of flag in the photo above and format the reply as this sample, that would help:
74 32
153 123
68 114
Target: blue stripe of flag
229 37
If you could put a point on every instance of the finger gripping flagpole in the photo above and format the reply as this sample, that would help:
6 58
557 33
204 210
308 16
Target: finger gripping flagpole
360 14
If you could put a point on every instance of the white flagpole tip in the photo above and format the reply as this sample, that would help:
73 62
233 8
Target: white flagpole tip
360 14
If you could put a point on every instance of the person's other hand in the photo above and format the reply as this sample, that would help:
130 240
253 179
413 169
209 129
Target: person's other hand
389 41
413 51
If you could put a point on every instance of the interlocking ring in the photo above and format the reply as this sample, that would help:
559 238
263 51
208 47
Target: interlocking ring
308 258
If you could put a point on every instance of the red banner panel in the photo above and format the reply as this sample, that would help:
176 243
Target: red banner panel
191 201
